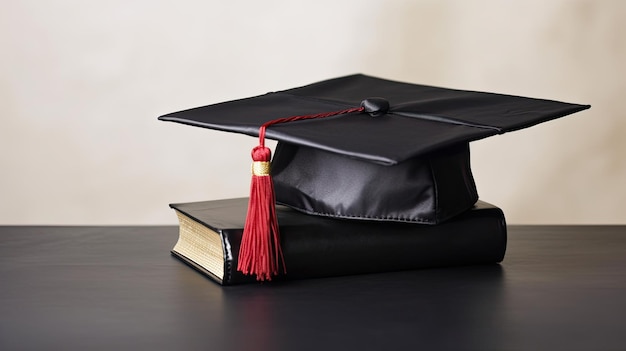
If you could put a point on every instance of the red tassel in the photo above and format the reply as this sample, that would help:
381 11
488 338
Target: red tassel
260 252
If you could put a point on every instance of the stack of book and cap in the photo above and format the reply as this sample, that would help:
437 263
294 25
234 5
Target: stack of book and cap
369 175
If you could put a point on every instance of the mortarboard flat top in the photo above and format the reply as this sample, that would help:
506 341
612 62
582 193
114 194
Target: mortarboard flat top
420 119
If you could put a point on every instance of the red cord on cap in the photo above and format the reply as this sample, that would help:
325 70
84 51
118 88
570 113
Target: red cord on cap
260 252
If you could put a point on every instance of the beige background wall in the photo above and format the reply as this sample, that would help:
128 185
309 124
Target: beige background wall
82 82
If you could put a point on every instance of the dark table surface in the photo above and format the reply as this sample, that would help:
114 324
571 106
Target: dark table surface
118 288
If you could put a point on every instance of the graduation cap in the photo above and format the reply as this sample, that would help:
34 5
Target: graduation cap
366 148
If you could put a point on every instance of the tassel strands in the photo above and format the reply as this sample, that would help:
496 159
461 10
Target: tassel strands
260 252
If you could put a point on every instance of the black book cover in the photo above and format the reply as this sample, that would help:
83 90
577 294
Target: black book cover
315 246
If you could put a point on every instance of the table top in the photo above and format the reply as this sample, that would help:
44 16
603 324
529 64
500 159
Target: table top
92 288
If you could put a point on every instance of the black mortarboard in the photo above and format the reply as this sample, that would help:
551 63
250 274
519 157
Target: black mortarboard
369 148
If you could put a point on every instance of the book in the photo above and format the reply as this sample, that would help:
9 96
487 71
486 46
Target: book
314 246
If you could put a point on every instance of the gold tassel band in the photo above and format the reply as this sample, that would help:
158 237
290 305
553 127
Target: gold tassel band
260 168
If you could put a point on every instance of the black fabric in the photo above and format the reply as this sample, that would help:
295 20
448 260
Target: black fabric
404 158
426 189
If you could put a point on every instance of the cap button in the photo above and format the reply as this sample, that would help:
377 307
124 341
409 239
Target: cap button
375 106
